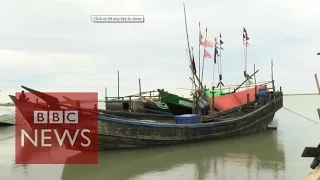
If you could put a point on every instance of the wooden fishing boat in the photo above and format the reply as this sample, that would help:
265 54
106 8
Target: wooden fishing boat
119 133
7 120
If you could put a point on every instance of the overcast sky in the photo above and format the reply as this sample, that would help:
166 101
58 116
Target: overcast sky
54 46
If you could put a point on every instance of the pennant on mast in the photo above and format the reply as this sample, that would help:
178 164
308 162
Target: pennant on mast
245 37
216 53
206 43
207 54
221 42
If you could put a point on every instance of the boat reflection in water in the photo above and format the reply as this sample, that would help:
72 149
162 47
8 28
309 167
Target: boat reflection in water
249 157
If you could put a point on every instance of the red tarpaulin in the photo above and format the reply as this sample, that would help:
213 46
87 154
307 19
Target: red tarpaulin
229 101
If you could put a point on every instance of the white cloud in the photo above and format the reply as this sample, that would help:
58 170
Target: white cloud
55 46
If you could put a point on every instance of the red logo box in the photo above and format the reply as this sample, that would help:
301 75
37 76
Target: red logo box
49 133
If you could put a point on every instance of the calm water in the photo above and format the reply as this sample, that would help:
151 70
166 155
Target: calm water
271 155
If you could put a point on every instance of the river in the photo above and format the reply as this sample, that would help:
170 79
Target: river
270 155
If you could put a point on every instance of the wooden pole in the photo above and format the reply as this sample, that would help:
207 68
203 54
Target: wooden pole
199 49
118 85
235 90
220 64
273 88
255 82
140 87
203 57
185 20
105 93
317 81
213 98
190 56
106 97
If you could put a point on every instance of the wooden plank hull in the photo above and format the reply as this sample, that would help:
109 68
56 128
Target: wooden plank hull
178 109
114 133
109 141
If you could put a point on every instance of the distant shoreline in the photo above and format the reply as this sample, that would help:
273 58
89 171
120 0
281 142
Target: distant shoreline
6 104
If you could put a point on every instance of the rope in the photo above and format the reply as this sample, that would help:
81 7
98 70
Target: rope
299 115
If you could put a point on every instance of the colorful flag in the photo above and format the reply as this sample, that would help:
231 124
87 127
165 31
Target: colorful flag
244 30
221 42
245 34
206 43
206 54
215 51
245 37
215 55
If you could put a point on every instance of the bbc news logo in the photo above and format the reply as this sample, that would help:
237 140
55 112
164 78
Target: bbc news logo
56 117
57 131
62 135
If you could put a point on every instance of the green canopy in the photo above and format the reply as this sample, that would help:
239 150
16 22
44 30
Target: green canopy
217 92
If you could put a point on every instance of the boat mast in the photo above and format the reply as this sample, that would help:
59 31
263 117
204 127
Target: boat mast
273 88
245 39
185 20
220 64
317 81
203 56
316 77
255 82
140 88
213 72
118 86
190 56
200 36
194 86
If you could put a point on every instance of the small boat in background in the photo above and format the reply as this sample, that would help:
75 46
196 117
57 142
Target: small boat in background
7 120
7 117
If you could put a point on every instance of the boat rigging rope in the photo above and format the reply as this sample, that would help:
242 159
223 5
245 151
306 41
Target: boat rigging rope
300 115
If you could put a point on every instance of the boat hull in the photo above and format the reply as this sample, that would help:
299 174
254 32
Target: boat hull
177 105
7 120
108 141
178 109
120 133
